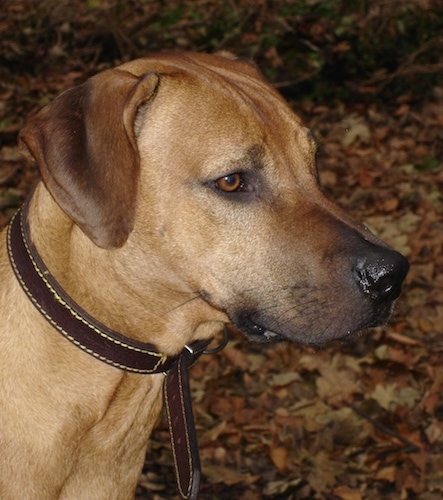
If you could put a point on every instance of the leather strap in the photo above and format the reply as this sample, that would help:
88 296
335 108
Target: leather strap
182 432
113 348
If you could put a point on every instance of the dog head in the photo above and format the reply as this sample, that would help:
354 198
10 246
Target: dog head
196 160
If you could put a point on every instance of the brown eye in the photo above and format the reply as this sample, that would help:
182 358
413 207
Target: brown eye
230 183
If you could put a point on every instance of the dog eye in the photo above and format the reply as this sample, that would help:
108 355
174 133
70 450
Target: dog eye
231 183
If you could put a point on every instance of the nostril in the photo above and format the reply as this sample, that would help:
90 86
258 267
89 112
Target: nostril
380 277
388 289
372 285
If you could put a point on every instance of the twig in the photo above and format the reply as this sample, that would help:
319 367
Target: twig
413 69
409 66
410 446
290 83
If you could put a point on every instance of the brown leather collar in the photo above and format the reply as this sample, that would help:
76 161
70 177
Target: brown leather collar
113 348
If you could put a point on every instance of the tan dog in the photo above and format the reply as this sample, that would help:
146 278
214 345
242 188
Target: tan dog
180 193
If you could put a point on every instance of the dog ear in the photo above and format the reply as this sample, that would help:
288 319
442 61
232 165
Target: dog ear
85 146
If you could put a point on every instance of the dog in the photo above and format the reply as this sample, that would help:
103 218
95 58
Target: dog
179 194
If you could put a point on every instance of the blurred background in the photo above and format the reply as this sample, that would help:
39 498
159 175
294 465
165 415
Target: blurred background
361 420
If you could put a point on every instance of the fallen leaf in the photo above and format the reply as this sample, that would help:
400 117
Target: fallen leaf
385 395
334 382
214 433
345 493
279 457
280 487
221 474
386 474
236 357
323 476
408 397
285 378
434 432
403 339
356 129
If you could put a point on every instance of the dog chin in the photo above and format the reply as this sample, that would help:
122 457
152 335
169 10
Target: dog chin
256 333
260 335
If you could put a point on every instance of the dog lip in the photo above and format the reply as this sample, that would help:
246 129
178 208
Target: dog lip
257 333
308 331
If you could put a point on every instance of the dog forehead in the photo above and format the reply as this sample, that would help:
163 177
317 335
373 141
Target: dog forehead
198 111
210 77
212 110
217 86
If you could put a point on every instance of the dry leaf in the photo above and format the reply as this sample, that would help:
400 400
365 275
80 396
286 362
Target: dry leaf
280 487
385 395
236 357
403 339
434 432
282 379
214 433
279 457
334 382
386 474
221 474
323 476
345 493
356 129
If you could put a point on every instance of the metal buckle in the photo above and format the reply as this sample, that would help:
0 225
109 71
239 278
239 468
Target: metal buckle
221 345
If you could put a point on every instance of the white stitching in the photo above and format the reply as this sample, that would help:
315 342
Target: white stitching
172 430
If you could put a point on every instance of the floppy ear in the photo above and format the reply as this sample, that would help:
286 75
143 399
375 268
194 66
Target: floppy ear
85 146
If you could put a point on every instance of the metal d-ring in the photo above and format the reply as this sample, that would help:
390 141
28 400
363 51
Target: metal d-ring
221 345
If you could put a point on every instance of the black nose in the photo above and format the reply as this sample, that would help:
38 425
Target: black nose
380 274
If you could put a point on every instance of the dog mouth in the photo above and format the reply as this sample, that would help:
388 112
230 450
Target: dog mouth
310 332
257 333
